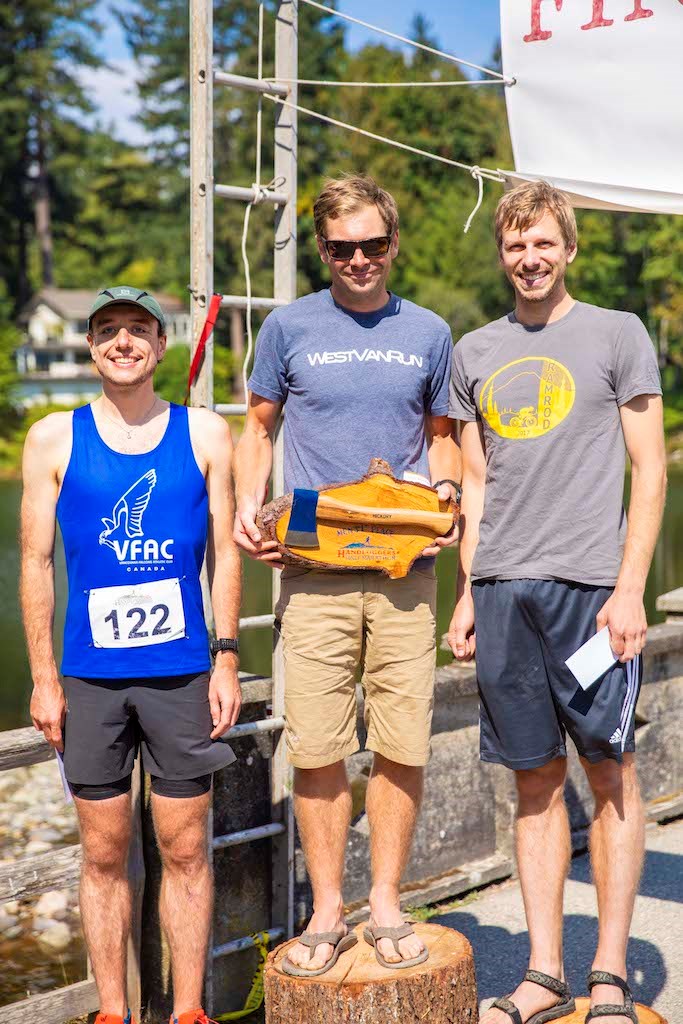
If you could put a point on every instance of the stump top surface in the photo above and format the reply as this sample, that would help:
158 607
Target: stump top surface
358 966
645 1014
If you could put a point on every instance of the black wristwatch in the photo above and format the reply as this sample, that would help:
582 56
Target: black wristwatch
458 488
221 644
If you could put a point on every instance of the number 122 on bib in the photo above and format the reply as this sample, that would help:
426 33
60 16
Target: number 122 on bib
138 615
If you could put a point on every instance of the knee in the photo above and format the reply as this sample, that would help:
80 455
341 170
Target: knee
612 782
540 788
105 856
325 783
407 777
185 852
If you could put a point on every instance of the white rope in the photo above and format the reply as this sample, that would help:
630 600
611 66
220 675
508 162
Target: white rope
410 42
389 85
476 174
259 190
483 171
247 280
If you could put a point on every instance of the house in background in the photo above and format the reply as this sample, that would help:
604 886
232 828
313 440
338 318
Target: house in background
54 362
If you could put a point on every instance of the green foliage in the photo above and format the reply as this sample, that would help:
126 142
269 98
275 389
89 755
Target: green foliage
170 380
44 46
125 223
9 340
673 412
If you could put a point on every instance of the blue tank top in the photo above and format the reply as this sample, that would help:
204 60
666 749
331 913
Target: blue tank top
134 530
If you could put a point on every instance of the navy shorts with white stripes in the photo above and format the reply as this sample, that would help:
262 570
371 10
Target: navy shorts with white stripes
529 700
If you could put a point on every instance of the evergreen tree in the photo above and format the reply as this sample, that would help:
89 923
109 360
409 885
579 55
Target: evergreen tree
44 44
9 341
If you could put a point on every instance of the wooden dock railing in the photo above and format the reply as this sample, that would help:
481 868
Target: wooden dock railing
33 875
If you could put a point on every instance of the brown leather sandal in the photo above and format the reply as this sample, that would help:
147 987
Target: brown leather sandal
626 1009
561 1009
373 933
340 939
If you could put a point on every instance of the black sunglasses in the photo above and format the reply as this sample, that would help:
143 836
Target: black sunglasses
370 247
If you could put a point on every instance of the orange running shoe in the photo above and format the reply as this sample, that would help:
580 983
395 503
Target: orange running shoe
192 1017
113 1018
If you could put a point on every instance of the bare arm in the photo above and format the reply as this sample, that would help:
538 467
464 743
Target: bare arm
445 463
624 612
445 460
461 635
43 454
253 462
223 565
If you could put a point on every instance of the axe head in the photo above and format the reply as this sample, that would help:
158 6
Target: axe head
302 531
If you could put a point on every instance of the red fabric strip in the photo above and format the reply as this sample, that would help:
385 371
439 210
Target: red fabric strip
209 324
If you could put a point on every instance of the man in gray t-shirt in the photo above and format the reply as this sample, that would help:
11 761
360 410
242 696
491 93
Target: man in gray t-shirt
549 399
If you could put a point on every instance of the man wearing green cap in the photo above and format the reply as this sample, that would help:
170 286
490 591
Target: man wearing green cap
142 492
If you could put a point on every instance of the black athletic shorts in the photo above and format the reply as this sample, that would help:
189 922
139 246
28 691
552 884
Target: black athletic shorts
167 719
526 630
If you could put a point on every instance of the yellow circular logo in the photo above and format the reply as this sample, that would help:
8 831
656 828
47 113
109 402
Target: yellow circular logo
528 397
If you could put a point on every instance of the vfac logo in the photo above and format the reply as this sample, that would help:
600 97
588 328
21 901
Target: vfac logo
123 532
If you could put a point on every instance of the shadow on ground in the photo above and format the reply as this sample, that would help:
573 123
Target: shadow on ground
501 956
662 875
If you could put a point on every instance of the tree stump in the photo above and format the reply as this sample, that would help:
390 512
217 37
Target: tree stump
645 1014
443 990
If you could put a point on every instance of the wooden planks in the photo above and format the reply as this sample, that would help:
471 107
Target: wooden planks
32 876
53 1007
21 747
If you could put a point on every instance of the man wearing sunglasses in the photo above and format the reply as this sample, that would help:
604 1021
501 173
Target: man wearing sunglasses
363 373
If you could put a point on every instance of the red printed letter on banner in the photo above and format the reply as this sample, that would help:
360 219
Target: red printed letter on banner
599 21
639 12
537 32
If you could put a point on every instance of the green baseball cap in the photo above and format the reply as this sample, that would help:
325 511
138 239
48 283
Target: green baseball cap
122 293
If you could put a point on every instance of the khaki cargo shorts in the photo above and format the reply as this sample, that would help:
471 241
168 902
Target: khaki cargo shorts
334 623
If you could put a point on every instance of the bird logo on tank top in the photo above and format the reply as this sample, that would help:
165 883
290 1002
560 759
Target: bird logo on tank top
123 531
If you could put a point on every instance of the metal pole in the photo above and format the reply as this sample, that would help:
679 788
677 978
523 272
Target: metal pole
201 187
247 194
286 67
201 279
252 84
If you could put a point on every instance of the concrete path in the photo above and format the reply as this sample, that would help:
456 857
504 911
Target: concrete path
494 924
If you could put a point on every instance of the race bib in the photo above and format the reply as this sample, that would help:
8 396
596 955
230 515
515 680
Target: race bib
137 615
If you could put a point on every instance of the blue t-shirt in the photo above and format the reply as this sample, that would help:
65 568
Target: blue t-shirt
356 385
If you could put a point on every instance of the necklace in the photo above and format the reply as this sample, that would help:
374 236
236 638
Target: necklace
129 428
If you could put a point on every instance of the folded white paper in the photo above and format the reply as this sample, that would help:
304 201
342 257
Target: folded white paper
65 785
592 659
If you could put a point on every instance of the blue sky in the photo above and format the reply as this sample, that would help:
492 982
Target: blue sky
467 28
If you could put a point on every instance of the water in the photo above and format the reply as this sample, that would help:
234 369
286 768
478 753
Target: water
666 574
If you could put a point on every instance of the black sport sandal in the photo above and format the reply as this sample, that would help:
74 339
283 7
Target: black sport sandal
561 1009
626 1009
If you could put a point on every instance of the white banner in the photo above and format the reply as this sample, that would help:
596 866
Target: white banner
597 107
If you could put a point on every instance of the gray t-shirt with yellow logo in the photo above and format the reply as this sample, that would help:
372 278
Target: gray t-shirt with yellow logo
548 400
